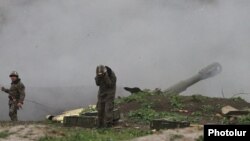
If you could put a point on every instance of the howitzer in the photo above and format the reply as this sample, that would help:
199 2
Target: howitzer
207 72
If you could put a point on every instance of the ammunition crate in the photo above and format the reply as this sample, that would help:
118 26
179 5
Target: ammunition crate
166 124
70 120
82 121
116 114
87 120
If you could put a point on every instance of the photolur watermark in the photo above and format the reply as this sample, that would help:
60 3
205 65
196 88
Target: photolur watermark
213 132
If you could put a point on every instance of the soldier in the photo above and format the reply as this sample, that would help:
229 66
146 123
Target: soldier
16 95
106 80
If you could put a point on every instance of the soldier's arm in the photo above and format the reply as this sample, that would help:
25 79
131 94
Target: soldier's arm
5 90
97 80
110 80
21 90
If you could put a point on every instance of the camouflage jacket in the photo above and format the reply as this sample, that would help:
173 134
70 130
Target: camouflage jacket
16 91
107 84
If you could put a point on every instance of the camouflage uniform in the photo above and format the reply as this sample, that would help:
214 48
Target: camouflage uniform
106 96
16 95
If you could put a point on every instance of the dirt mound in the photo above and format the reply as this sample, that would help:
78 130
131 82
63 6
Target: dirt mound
204 109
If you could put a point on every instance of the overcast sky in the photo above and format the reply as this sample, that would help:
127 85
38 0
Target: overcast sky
148 43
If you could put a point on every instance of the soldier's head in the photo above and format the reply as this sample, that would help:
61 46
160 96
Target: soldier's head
14 76
101 70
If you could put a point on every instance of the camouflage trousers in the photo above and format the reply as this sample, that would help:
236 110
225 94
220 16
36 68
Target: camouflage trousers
105 112
13 110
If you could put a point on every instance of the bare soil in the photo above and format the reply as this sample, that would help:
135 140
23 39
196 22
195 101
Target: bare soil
180 134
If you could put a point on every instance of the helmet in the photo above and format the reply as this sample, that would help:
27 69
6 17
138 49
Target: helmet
101 69
14 73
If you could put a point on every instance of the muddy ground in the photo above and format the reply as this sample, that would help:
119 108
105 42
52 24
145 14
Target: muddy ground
32 131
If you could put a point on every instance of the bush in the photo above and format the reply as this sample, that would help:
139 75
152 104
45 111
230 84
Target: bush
4 134
244 119
175 102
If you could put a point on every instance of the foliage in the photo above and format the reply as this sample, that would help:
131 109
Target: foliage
145 115
197 113
225 120
175 102
238 99
244 119
98 135
4 134
198 98
140 97
207 109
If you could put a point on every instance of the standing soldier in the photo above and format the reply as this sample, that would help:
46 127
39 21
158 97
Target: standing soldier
106 80
16 95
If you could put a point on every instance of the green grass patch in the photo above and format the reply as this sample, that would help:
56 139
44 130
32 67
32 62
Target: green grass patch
175 102
207 109
237 99
138 97
244 119
145 115
5 134
98 135
198 98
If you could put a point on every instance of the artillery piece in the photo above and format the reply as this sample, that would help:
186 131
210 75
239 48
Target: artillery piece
85 118
205 73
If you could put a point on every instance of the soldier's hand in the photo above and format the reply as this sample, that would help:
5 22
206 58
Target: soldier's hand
2 88
19 105
100 75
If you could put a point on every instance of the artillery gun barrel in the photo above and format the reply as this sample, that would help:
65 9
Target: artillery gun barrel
207 72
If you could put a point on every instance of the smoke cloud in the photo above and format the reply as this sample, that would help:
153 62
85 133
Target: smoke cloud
56 45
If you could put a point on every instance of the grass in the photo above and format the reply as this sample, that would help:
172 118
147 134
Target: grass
237 99
140 97
5 134
145 115
97 135
208 109
198 98
244 119
175 102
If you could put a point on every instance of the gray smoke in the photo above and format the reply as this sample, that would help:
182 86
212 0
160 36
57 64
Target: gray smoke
55 45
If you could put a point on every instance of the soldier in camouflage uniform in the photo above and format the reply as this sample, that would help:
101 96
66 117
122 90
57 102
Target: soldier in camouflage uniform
106 80
16 95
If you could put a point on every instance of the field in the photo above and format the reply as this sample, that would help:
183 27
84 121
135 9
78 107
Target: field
137 110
